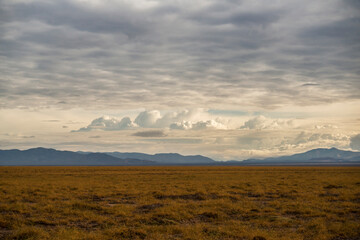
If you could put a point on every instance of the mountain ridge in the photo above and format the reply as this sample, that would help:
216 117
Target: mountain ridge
51 157
165 157
318 155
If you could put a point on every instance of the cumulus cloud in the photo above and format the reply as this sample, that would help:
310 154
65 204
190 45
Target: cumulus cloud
261 122
148 118
179 116
181 120
200 125
107 123
355 142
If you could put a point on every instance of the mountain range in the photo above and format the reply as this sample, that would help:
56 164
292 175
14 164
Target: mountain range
51 157
319 156
165 158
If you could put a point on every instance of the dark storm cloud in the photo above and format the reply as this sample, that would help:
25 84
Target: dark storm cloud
170 54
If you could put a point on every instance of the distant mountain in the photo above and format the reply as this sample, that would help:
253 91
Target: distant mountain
165 158
315 156
52 157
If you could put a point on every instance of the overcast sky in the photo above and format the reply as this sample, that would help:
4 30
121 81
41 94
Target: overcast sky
226 79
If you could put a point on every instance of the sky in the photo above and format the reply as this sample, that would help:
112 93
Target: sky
230 79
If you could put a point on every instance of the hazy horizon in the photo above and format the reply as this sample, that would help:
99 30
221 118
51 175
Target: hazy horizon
227 80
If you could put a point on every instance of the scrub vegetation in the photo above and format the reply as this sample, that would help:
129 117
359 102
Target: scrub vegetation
249 203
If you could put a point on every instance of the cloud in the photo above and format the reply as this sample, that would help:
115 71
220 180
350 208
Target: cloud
148 118
179 141
153 133
262 50
325 126
51 120
185 125
261 122
355 142
283 141
97 136
28 136
310 85
107 123
15 135
200 125
318 139
154 119
180 120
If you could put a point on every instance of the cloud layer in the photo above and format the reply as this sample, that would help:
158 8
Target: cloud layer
170 54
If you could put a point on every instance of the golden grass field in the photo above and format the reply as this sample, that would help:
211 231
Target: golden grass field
180 203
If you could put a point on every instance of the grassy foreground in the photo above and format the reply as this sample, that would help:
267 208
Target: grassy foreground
180 203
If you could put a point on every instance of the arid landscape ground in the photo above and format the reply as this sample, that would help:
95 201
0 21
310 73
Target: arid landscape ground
180 203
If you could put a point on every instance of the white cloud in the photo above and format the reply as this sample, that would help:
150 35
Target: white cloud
182 120
107 123
147 118
185 125
261 122
200 125
154 119
180 116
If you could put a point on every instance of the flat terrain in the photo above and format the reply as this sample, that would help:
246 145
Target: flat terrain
180 203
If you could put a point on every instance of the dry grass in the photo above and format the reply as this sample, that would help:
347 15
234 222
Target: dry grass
180 203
